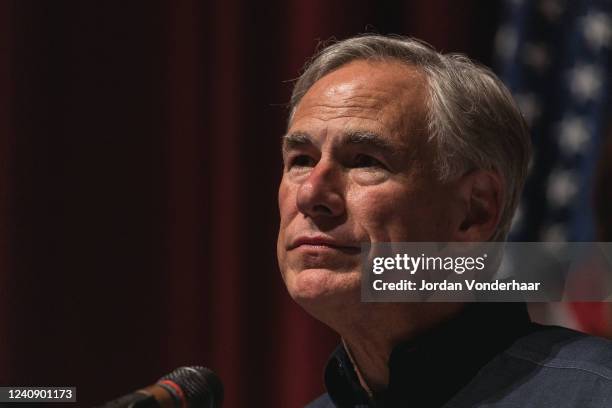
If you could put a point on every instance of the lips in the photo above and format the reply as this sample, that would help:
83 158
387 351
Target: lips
323 242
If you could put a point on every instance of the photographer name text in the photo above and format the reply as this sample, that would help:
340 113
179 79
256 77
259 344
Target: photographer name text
446 285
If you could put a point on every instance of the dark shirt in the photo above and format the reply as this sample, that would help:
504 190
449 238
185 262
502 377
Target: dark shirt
491 355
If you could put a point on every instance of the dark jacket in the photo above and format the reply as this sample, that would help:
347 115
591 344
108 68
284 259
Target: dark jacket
490 356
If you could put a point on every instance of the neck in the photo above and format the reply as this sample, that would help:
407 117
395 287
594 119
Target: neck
369 344
376 377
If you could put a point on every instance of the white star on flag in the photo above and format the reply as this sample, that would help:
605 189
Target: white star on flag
529 105
585 81
562 187
506 42
597 30
551 9
573 135
536 56
555 233
555 236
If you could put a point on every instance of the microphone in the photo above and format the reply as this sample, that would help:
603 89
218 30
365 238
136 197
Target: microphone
185 387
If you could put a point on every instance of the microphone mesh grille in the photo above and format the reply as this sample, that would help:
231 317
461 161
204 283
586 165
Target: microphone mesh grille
202 387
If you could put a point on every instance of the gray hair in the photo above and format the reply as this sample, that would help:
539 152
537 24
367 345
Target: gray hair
471 115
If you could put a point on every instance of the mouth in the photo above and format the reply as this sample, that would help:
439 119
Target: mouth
320 243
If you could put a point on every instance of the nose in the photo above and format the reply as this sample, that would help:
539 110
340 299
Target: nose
321 194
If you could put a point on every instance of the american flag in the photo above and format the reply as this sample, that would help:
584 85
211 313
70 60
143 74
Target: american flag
555 56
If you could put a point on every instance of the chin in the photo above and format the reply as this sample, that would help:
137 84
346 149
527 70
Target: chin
323 289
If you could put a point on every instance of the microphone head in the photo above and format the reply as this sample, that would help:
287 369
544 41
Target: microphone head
202 388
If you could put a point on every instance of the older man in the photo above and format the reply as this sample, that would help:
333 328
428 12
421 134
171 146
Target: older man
390 141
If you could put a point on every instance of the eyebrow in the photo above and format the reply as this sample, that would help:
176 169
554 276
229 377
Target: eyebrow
370 139
354 137
293 140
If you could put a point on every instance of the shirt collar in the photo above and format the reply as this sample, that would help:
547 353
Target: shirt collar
429 370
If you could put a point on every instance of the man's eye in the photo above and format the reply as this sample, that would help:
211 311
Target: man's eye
301 161
363 160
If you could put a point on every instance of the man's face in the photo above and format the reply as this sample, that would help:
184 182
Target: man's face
357 169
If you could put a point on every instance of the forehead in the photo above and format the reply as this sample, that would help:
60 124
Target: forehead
385 96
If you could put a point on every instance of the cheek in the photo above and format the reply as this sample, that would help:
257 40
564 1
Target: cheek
394 215
376 211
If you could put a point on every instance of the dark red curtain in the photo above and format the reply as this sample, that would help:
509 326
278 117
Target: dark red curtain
139 162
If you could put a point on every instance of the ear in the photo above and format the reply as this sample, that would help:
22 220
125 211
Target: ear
482 195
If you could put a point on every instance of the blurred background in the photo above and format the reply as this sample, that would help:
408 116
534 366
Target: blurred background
140 158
